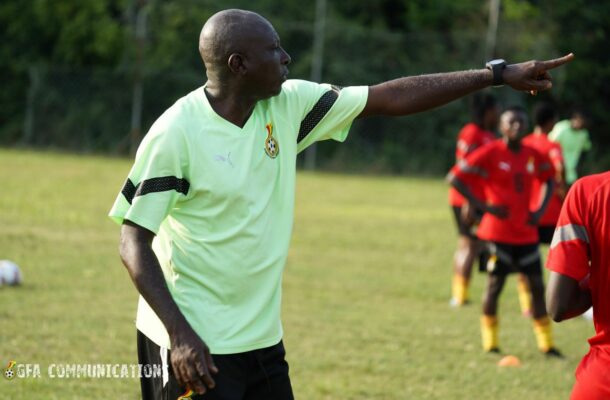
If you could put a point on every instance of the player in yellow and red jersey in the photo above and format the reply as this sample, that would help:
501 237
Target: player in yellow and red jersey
507 169
479 132
545 117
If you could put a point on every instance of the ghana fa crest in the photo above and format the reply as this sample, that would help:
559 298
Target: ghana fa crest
272 148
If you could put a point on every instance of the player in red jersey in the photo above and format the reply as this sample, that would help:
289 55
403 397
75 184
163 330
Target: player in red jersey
579 260
545 117
507 169
485 112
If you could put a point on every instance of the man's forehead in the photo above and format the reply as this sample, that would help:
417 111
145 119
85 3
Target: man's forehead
510 114
263 28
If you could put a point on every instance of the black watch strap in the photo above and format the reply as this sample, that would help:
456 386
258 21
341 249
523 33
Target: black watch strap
497 68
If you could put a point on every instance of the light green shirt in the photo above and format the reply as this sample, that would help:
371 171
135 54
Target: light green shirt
220 199
573 142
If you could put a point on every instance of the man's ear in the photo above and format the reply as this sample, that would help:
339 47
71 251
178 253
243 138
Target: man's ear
236 64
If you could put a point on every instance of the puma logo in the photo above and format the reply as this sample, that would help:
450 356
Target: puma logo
223 159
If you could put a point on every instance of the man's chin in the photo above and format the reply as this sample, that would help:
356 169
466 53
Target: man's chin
277 91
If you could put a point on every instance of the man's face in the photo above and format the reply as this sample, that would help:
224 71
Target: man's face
266 62
578 122
513 125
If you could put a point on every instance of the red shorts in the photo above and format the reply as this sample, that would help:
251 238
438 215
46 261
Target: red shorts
593 377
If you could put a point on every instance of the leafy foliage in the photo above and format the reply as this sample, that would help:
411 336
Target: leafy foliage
70 68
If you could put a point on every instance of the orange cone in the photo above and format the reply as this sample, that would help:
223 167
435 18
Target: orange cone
509 361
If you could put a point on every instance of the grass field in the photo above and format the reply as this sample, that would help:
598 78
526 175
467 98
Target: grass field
365 291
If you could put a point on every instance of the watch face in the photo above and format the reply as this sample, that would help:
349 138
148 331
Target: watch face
497 66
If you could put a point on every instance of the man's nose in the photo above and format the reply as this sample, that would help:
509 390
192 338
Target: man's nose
285 58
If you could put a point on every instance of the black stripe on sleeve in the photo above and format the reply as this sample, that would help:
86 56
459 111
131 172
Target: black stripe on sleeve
319 110
129 190
153 185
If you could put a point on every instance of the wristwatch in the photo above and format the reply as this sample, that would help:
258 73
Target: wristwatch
497 67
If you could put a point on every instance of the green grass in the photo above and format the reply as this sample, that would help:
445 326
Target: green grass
365 291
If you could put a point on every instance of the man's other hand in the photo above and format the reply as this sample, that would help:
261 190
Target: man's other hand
191 360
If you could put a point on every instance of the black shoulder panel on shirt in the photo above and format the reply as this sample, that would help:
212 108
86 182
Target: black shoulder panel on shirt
319 110
162 184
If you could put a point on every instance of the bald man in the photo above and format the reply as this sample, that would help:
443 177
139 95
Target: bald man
207 209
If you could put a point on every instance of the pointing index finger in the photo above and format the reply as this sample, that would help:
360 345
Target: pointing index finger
556 62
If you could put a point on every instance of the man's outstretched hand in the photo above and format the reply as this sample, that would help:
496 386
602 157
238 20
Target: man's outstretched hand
191 360
532 76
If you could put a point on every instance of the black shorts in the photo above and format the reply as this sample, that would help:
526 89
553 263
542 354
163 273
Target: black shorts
545 233
503 259
464 229
254 375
